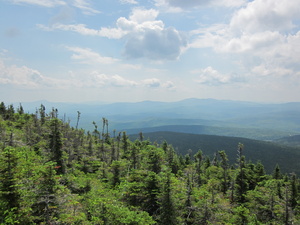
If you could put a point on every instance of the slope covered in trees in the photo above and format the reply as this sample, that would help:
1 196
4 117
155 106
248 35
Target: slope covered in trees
292 140
51 173
269 153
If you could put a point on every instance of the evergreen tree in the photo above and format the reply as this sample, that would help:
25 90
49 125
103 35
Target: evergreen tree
294 191
167 208
189 214
152 192
42 111
276 173
155 160
116 170
224 165
55 145
241 184
2 109
46 207
20 109
9 195
198 159
125 144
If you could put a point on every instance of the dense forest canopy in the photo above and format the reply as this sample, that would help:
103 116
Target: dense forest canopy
270 153
51 173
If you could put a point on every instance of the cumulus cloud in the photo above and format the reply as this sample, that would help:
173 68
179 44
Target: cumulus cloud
261 23
87 56
250 42
149 38
261 15
44 3
145 36
27 78
212 77
96 79
117 80
155 44
157 83
169 85
263 30
153 82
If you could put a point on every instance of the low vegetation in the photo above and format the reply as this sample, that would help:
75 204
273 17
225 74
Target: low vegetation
52 173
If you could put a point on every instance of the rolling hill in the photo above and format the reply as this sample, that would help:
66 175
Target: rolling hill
252 133
268 153
292 140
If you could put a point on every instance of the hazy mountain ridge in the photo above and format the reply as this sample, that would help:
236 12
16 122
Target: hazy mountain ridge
282 118
252 133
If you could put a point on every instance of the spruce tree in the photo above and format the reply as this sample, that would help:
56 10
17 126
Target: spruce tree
167 208
55 145
9 195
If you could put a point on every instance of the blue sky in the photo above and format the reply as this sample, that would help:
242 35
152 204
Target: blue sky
161 50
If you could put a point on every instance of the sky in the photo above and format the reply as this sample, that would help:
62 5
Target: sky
159 50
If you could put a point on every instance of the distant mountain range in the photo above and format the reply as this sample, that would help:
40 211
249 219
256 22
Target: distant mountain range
199 116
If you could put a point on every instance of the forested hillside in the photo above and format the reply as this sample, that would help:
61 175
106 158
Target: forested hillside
52 173
269 153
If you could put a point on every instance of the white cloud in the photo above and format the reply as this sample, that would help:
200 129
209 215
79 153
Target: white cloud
141 15
113 33
264 70
262 15
153 82
44 3
145 36
163 44
119 81
96 80
23 77
87 56
27 78
156 83
262 35
250 42
85 6
133 2
169 85
212 77
179 5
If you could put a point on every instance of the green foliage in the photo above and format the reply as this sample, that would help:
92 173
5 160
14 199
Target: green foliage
51 173
269 153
